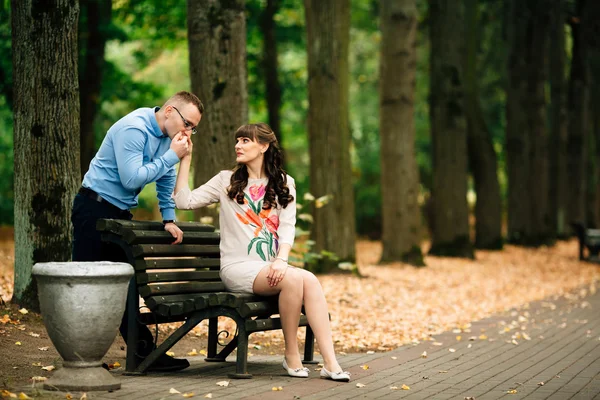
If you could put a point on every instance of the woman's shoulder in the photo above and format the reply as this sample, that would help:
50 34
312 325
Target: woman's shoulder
290 180
225 174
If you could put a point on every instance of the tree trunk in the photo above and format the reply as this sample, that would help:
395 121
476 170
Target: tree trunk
46 137
401 216
328 35
482 156
270 66
93 34
557 199
217 47
450 236
526 139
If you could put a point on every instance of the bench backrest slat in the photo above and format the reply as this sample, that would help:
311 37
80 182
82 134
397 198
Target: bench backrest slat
176 263
182 250
180 288
136 236
177 276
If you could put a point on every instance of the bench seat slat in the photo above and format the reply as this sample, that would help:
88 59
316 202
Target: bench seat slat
180 288
181 250
201 276
136 236
176 263
199 301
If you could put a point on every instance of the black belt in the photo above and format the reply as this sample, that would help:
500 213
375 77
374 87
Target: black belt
89 193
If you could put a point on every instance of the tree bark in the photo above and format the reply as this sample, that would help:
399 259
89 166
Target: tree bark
217 48
482 156
526 138
401 216
450 236
270 66
558 182
46 137
93 34
328 34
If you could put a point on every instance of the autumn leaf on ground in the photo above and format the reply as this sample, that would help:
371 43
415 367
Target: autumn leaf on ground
34 334
276 389
208 396
69 396
83 397
512 391
223 383
188 395
483 337
438 343
192 353
49 368
39 378
5 319
394 387
23 311
43 348
6 394
37 364
394 358
365 367
170 354
451 350
18 343
174 391
202 352
23 396
360 385
405 387
424 354
370 352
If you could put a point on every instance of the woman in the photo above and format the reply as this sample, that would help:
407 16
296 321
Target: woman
257 219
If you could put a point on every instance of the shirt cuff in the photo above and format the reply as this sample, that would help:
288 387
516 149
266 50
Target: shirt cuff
168 214
170 158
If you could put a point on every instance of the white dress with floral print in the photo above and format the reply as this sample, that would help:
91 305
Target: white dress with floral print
250 236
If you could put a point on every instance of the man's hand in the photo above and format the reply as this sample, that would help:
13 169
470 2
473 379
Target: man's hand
277 271
190 147
175 231
179 145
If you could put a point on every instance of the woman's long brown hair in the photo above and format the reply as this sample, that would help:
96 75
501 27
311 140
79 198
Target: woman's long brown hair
277 189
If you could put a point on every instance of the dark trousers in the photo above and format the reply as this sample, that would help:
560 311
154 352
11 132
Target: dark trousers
87 246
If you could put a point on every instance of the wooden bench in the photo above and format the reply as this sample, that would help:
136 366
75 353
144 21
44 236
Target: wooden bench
588 239
182 283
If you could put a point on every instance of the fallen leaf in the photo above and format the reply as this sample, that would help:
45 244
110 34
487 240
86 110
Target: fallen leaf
370 352
459 338
223 383
192 353
68 396
394 358
394 387
482 337
276 389
438 343
34 334
18 343
83 397
365 367
43 348
360 385
469 398
5 319
405 387
208 396
512 391
6 394
188 395
174 391
541 383
23 396
424 354
23 311
451 350
170 354
39 378
203 352
37 364
49 368
469 346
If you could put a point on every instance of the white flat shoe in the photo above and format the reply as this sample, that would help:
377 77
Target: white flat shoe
297 372
343 376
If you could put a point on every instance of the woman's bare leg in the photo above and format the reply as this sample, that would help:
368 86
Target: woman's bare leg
315 306
290 291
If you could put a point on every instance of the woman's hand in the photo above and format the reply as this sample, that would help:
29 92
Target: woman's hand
277 271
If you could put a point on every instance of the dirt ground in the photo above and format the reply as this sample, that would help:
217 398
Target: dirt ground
403 304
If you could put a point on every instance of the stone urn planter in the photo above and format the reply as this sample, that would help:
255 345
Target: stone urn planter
82 305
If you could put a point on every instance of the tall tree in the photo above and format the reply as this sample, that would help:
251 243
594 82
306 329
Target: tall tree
578 105
557 199
46 137
482 156
94 24
217 48
526 138
328 36
401 215
270 65
450 236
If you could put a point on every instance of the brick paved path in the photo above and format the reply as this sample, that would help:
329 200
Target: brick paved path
550 350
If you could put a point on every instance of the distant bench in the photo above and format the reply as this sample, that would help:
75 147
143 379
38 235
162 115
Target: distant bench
182 283
588 239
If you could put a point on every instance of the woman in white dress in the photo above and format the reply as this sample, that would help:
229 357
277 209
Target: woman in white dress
257 221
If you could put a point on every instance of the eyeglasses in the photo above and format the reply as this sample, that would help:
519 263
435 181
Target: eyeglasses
187 125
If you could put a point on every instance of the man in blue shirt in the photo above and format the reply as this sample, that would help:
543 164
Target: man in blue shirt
140 148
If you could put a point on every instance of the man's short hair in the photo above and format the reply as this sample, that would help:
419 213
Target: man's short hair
186 97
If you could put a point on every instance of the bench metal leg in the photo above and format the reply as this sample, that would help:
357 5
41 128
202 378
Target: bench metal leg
213 338
241 364
190 323
133 334
309 347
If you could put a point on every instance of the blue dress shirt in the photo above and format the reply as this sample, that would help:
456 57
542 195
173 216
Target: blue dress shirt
134 152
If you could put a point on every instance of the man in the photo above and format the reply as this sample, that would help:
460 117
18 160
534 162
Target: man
140 148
